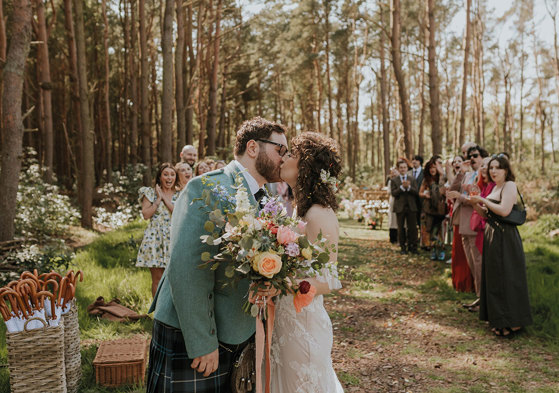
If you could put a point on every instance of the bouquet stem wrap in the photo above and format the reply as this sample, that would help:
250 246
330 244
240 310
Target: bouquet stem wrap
266 313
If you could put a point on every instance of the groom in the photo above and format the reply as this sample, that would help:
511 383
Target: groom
199 328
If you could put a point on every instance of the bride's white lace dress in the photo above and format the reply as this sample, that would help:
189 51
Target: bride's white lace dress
301 360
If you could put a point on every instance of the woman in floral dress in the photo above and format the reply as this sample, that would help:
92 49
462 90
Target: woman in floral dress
157 206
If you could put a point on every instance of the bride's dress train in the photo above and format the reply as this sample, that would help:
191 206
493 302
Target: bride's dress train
301 359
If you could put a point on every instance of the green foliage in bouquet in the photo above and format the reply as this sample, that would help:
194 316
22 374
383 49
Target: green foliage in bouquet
267 247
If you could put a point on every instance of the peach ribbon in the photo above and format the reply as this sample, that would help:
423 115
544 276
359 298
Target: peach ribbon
263 338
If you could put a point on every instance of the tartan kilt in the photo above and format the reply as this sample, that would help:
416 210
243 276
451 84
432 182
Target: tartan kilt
169 368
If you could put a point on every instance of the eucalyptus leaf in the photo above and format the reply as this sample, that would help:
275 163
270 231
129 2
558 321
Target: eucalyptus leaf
303 242
244 268
230 271
215 266
209 226
323 258
246 243
254 310
206 256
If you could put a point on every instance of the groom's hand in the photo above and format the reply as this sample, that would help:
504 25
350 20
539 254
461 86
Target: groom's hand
206 364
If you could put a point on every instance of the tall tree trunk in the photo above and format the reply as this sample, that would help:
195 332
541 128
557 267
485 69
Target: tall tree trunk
88 172
400 77
166 143
12 125
434 95
212 107
145 123
107 111
327 60
45 86
179 73
3 42
75 93
191 68
466 71
132 66
384 105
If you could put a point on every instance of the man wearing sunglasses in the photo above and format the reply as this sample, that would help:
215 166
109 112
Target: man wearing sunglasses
459 190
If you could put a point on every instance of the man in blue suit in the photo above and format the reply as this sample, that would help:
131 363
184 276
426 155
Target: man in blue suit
199 328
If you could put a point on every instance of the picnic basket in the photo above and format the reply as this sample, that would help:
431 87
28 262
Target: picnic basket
121 361
72 355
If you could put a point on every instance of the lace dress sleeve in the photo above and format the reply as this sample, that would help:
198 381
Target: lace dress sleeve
329 275
147 192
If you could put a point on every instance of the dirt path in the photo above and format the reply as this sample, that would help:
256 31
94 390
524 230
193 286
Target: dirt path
398 327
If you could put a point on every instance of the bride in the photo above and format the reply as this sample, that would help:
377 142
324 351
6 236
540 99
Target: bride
301 359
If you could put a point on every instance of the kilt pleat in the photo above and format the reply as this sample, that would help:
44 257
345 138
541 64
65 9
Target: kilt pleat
169 368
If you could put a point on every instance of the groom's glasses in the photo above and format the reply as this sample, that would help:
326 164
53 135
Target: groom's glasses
283 149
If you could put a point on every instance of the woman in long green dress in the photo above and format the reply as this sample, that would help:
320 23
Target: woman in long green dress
504 288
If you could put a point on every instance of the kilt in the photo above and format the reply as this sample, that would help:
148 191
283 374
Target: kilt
169 368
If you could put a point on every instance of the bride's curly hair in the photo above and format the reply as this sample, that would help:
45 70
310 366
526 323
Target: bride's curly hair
316 152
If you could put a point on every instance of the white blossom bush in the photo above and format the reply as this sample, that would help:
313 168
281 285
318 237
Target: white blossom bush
42 211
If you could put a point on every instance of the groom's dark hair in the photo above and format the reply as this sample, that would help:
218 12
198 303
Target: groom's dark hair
254 129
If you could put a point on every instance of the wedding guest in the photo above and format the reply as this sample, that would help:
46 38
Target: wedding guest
184 172
504 289
404 190
459 190
157 207
220 164
485 186
418 174
286 196
189 154
201 168
392 221
462 279
433 193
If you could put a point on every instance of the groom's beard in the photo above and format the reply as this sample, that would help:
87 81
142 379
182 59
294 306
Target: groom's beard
267 169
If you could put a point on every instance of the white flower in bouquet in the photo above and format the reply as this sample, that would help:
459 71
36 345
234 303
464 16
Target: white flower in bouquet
242 202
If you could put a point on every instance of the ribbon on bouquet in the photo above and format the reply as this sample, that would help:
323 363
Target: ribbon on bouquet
263 338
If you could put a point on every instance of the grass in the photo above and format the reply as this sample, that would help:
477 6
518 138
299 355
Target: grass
108 266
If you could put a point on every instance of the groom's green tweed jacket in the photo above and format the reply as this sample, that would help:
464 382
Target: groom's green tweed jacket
190 298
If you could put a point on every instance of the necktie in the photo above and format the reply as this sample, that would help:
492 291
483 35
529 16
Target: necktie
415 173
259 195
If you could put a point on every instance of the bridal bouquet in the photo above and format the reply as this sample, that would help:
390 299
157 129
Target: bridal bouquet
267 247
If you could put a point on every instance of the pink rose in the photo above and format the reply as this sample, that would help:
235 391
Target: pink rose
301 225
286 235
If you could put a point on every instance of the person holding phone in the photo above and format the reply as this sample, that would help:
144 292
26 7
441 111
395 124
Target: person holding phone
465 179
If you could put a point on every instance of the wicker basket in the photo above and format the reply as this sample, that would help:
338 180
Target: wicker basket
36 359
121 362
72 355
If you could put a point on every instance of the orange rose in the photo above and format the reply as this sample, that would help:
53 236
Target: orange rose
268 264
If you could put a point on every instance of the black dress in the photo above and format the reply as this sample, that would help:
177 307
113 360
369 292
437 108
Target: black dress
504 298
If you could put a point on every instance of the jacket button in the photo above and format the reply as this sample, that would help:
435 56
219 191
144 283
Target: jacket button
211 314
210 296
212 332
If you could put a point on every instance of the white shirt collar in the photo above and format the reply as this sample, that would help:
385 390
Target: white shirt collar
251 181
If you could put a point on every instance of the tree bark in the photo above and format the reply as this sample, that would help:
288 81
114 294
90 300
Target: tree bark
12 124
190 87
212 96
87 136
45 85
107 104
132 66
384 105
145 123
327 60
434 95
466 71
400 77
166 142
179 72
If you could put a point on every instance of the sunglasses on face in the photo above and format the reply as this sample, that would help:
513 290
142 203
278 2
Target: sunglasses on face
474 155
282 148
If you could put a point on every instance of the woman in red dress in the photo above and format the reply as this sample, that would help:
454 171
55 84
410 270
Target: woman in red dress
462 279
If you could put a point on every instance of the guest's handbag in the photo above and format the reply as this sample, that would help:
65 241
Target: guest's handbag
243 373
517 215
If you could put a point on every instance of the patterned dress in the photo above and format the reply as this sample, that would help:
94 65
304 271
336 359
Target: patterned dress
154 250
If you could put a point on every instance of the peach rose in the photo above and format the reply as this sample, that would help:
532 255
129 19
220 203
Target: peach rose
268 264
286 235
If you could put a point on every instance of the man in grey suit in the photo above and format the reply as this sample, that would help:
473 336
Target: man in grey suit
404 190
199 327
